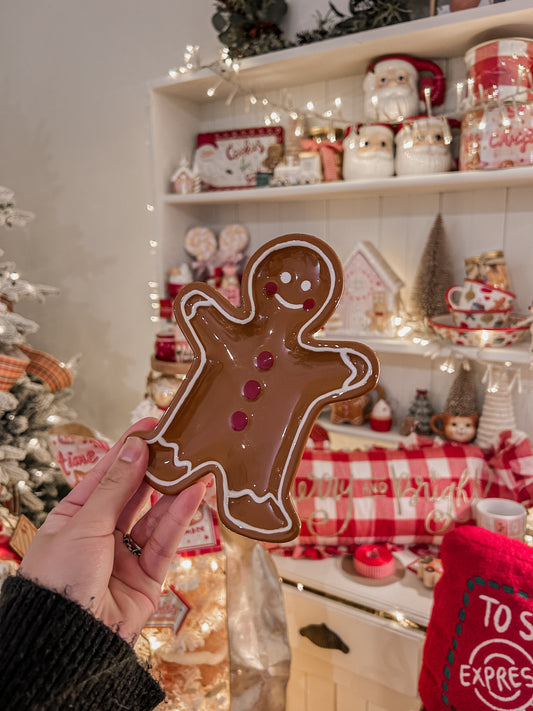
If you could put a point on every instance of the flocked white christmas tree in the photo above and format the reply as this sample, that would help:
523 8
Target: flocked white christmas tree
34 390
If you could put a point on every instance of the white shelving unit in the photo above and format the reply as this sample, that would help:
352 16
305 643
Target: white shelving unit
481 211
341 190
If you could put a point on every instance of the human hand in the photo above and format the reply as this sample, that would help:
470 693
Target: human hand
79 550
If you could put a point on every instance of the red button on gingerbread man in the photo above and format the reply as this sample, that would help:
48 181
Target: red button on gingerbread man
257 382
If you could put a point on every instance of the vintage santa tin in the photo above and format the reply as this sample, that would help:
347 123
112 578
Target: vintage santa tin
500 136
497 69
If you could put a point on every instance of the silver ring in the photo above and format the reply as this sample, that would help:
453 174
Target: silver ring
130 544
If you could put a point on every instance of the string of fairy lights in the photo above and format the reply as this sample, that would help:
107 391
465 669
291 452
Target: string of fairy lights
226 70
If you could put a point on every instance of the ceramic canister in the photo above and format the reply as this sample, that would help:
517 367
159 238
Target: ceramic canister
498 136
497 69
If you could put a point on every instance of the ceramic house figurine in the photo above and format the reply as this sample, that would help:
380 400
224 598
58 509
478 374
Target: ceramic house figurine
371 294
184 180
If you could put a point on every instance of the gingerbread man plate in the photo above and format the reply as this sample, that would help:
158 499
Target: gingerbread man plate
258 380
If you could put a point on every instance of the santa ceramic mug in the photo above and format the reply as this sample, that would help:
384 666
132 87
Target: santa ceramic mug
368 152
502 516
423 146
393 87
478 295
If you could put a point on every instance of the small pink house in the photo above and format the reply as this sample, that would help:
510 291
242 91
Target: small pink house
371 294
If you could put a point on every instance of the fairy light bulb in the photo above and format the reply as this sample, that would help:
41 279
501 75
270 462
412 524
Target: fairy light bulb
310 106
173 73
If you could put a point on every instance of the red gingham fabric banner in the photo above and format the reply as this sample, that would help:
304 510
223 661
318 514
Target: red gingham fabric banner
413 494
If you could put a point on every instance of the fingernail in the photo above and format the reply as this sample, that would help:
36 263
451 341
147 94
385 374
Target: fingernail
132 449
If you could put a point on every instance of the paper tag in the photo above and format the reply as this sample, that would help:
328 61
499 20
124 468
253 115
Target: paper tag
22 536
171 611
202 535
77 454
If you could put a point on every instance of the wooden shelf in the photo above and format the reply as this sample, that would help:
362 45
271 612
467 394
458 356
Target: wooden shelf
447 35
341 189
521 353
363 432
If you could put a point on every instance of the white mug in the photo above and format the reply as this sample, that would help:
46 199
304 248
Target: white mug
502 516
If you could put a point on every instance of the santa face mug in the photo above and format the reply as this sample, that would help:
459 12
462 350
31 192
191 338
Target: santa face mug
423 146
393 88
368 152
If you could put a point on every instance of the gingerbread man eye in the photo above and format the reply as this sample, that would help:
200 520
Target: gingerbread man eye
285 277
306 285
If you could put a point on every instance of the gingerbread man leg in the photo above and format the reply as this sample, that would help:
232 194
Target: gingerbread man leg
270 518
165 471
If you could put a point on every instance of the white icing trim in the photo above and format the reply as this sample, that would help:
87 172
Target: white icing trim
287 304
344 353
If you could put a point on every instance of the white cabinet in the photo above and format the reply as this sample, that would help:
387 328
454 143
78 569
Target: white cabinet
381 628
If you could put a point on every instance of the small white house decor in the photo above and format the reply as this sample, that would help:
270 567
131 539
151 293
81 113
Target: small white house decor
371 294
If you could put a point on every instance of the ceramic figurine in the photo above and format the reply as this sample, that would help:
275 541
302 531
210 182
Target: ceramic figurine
393 89
423 146
368 152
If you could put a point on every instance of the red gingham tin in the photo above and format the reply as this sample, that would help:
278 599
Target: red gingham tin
496 70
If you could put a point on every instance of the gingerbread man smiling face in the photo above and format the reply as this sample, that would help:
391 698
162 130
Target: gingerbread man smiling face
302 284
256 385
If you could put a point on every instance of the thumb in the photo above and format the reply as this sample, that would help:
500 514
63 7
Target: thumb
117 486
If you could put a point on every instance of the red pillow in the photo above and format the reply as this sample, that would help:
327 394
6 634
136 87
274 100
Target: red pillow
478 654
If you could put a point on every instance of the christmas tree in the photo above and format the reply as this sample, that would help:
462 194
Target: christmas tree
433 277
34 392
461 400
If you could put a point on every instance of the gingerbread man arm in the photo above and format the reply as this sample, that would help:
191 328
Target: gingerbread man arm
347 369
202 312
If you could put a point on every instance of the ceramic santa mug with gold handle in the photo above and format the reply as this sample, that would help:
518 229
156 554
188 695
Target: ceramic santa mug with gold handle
478 295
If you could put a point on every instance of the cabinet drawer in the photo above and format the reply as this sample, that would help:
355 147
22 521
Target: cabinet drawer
376 649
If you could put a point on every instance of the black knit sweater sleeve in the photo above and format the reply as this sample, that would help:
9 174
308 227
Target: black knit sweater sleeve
54 655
